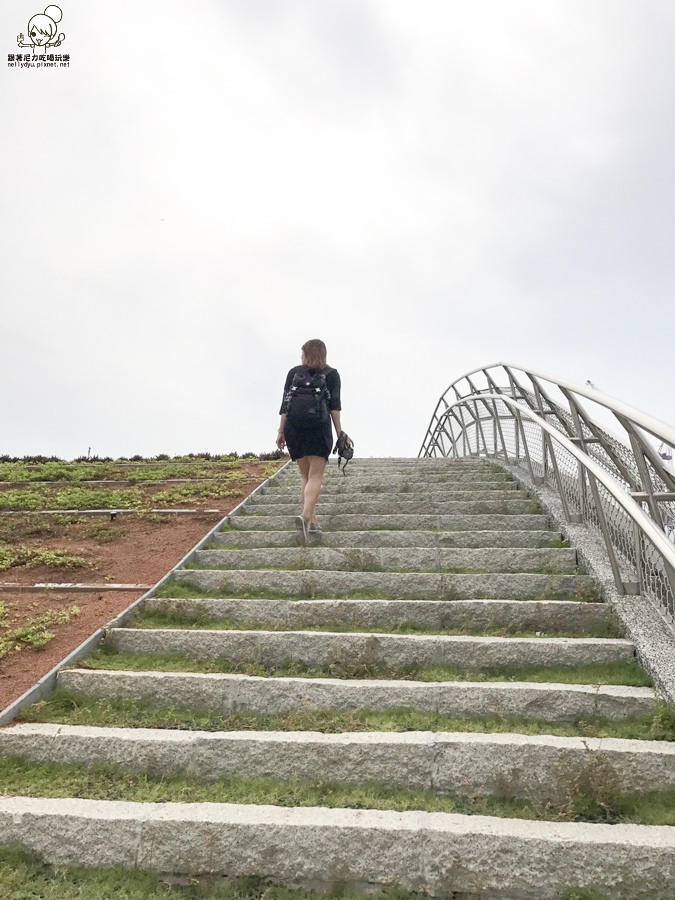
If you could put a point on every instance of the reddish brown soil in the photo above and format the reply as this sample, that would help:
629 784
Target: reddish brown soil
130 550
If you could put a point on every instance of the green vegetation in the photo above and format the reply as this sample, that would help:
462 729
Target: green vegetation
176 590
188 493
272 468
555 543
359 562
21 499
592 797
574 893
16 528
59 471
176 619
179 591
34 633
71 498
71 708
103 532
28 557
24 876
67 487
103 781
88 498
49 471
365 665
230 471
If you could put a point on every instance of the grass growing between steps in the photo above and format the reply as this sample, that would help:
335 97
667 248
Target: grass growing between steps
178 591
354 667
66 707
572 893
24 876
553 543
169 620
105 781
303 565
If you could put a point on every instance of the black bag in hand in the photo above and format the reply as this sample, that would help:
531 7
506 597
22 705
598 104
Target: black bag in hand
344 447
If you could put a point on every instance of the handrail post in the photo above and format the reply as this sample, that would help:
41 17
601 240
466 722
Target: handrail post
574 412
604 528
479 430
498 426
526 449
569 517
637 544
647 485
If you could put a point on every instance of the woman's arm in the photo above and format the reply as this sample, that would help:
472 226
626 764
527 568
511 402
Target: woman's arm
281 440
335 416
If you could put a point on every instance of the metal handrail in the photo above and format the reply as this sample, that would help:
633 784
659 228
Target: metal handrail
620 486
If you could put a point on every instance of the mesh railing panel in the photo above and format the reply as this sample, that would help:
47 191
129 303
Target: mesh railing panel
493 428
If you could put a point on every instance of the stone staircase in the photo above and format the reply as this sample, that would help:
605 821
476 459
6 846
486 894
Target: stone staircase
432 577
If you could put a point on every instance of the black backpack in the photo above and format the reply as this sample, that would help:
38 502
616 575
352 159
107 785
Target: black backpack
307 400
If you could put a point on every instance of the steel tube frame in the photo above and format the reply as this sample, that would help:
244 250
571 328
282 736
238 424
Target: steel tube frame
624 467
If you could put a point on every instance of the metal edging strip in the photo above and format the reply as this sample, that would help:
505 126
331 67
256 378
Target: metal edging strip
47 683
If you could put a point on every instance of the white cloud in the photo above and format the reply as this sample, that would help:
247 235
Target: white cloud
428 188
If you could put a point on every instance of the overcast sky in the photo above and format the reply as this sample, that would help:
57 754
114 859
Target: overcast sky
429 187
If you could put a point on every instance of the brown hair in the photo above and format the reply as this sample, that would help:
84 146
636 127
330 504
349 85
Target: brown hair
315 354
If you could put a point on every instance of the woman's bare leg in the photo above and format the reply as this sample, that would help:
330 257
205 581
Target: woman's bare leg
316 466
303 465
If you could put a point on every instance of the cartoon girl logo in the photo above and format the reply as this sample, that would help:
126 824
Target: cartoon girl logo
42 29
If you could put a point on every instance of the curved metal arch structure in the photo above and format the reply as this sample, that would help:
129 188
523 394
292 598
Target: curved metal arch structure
620 485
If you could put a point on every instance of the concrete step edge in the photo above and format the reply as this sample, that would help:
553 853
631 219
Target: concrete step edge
346 497
477 614
227 693
416 850
391 650
434 559
402 521
391 539
406 585
541 767
374 506
395 486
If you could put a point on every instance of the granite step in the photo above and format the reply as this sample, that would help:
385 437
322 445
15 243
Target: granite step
396 484
388 585
533 701
542 768
347 498
412 559
393 651
436 853
375 506
403 522
383 516
474 615
256 540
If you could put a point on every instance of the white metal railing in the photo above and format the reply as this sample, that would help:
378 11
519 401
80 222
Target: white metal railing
623 486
